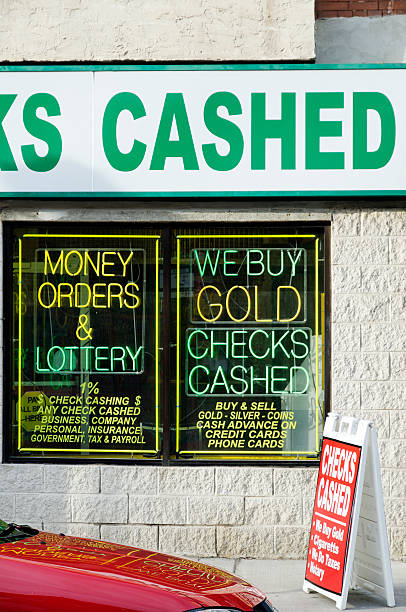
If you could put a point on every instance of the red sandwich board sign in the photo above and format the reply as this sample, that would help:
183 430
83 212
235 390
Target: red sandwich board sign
332 514
348 542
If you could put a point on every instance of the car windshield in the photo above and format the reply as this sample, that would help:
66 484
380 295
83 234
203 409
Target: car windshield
10 532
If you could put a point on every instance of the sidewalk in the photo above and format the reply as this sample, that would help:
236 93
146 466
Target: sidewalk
282 581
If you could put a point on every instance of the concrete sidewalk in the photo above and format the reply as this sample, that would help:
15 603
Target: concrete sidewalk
282 581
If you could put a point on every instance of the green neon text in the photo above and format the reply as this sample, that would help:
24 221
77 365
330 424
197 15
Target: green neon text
98 359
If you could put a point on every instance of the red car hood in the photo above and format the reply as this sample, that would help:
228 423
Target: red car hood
203 585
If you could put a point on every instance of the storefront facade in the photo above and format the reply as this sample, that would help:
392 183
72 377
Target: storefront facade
199 262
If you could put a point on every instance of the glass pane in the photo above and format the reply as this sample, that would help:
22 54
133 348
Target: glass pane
249 306
86 337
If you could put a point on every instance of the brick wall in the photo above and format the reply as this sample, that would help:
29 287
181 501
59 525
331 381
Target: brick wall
359 8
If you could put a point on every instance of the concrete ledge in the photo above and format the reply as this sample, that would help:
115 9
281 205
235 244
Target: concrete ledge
181 211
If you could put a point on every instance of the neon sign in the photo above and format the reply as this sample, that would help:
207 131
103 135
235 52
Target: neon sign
248 335
90 296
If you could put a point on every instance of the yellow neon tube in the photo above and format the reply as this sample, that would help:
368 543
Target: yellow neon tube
80 450
209 236
90 236
247 236
222 452
157 238
316 298
20 253
177 341
156 345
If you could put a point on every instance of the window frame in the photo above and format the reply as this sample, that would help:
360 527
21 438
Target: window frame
166 230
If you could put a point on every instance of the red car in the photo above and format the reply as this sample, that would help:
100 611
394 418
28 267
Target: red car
46 572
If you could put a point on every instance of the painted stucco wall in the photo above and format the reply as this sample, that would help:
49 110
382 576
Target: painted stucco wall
258 512
160 30
361 40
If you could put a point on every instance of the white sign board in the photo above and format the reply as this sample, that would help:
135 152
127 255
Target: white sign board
216 130
348 543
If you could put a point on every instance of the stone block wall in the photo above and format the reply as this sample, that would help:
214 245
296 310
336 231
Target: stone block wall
199 511
258 512
369 341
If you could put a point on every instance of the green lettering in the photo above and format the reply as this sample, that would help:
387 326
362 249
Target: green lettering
124 162
224 129
283 128
99 357
316 129
174 110
191 386
191 337
43 130
6 157
362 103
228 264
207 262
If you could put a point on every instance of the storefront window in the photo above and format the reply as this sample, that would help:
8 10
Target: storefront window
239 375
249 343
85 343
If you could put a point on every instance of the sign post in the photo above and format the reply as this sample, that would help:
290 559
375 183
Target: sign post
348 543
